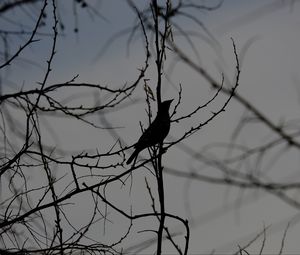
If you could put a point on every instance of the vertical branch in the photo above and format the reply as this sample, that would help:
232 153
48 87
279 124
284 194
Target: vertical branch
160 39
159 178
34 117
160 186
155 14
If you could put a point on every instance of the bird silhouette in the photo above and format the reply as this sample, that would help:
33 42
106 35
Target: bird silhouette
156 132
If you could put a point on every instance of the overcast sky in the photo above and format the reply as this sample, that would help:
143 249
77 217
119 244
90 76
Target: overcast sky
270 79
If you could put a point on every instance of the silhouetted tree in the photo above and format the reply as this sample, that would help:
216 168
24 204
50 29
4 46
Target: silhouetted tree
43 185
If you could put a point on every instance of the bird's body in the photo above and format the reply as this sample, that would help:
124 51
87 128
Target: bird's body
156 132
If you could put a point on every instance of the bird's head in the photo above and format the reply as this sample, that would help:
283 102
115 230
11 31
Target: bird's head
166 104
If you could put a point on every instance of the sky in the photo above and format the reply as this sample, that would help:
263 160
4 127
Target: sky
266 34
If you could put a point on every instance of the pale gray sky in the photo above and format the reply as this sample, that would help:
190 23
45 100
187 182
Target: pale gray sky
269 79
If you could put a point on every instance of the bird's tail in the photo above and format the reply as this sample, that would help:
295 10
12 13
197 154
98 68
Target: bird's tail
132 157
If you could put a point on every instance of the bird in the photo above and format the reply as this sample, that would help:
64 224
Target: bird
156 132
